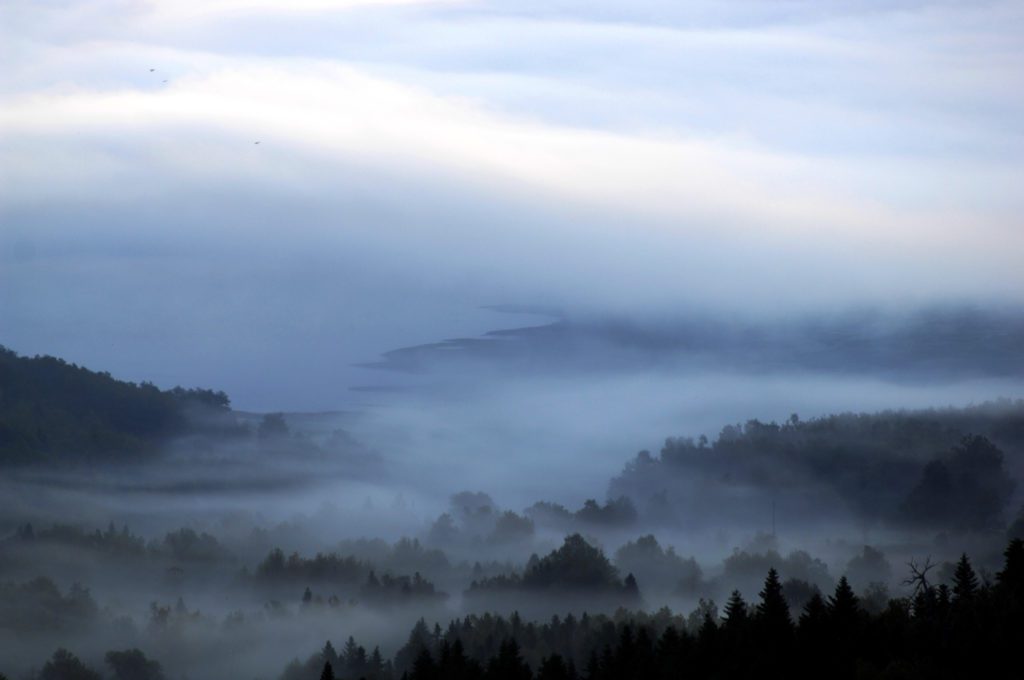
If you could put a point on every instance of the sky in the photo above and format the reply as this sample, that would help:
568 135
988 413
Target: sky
417 161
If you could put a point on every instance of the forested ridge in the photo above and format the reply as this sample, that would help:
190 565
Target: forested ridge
950 468
54 410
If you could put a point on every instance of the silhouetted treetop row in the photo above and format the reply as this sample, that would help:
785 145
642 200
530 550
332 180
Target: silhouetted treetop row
970 630
185 544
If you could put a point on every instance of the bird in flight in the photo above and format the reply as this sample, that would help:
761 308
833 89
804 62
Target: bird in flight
255 142
151 70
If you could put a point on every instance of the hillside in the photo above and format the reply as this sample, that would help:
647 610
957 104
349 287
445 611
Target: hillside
50 409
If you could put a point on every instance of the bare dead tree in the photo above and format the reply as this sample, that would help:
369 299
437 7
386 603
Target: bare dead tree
919 575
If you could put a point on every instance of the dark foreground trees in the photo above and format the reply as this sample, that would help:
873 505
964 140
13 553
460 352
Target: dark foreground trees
972 630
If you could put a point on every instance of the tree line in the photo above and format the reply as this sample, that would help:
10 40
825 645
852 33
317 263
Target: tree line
969 629
53 410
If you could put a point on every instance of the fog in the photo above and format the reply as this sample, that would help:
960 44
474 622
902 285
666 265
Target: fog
465 463
331 319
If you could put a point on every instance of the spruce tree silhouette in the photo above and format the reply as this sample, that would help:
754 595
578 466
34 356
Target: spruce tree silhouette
1010 581
772 645
736 615
843 628
454 665
843 606
328 654
376 668
424 667
812 633
773 611
554 668
645 663
815 613
733 636
508 665
706 654
328 672
624 657
965 582
673 651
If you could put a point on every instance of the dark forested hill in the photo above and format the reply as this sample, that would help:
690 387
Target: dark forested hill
943 468
50 409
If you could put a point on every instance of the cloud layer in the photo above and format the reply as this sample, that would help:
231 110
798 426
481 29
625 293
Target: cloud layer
417 159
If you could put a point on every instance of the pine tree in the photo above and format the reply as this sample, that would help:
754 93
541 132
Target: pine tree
814 618
813 634
771 646
353 657
553 668
508 664
455 665
736 615
376 664
671 652
645 660
1011 578
773 611
965 582
419 639
843 605
328 654
328 672
424 667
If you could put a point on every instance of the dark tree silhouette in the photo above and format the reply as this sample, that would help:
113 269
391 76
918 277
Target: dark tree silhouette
555 668
965 582
735 612
843 605
66 666
132 664
272 427
424 667
508 664
969 488
773 611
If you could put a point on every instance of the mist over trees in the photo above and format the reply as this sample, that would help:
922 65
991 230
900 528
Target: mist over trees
446 340
667 570
934 469
938 632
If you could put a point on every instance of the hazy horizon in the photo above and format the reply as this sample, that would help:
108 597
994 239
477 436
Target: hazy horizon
375 312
